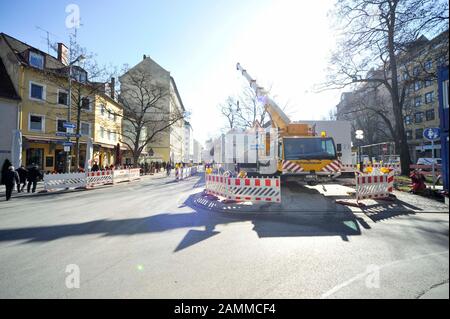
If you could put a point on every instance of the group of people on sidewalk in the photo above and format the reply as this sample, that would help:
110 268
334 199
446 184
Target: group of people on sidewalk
11 177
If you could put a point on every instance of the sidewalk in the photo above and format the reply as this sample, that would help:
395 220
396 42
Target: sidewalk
40 188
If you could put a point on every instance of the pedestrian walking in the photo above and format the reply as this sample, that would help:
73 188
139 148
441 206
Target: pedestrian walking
23 173
10 178
5 168
33 175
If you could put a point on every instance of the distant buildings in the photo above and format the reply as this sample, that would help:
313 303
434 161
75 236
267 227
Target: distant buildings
417 75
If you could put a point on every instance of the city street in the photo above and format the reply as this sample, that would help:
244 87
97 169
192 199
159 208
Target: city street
149 239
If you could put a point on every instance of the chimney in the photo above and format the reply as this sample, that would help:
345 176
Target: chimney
112 86
145 57
63 54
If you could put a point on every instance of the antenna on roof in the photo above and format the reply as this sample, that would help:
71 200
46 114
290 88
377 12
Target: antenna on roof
47 38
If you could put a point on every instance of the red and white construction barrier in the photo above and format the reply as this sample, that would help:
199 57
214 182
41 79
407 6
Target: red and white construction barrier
254 189
245 189
89 179
374 186
99 178
182 173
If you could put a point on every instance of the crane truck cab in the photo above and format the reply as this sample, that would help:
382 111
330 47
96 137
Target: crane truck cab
310 159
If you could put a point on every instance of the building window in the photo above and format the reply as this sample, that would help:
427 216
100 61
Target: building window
37 91
85 103
63 98
418 101
429 97
102 132
36 60
416 71
418 117
419 133
109 135
85 129
408 119
409 135
102 110
79 75
36 123
428 83
35 156
428 65
60 126
405 76
429 114
417 85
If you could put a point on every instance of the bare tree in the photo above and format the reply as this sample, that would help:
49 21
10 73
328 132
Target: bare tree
377 34
87 80
147 112
243 110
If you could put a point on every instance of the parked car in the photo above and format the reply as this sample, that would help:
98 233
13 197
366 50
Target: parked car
428 161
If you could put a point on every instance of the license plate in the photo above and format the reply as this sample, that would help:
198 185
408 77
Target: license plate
311 176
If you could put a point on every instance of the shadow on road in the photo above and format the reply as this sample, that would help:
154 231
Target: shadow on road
264 226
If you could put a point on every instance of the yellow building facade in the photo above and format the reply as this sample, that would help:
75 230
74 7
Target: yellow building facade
41 81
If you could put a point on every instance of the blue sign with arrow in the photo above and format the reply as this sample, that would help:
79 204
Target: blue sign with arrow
432 133
68 125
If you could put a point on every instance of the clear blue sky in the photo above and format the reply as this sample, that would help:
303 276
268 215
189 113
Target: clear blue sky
198 41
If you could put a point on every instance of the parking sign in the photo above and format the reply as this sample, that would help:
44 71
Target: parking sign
432 133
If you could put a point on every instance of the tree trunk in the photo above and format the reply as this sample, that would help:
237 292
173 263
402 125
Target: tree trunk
400 138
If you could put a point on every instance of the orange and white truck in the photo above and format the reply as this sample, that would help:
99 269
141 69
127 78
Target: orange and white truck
303 153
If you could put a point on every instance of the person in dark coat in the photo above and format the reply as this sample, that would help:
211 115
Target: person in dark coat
33 175
23 173
10 178
95 167
5 168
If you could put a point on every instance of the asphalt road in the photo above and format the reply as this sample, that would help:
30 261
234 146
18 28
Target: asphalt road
148 240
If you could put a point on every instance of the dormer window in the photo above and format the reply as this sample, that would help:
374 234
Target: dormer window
36 60
79 75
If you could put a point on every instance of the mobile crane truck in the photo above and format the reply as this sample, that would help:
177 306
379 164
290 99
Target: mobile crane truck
302 154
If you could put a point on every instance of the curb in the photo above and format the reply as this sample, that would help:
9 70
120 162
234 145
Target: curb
44 192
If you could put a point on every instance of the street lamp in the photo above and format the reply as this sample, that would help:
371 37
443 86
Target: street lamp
359 135
69 100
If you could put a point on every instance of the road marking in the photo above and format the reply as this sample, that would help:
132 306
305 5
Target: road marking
367 272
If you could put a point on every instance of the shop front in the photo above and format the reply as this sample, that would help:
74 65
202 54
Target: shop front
48 154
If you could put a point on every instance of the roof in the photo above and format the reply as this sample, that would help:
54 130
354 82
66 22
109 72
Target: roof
20 49
177 93
7 89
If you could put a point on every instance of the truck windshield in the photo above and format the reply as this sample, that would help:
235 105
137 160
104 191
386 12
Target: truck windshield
309 148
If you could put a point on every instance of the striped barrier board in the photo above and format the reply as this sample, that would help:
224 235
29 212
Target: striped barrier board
64 181
99 178
254 189
374 186
216 185
244 189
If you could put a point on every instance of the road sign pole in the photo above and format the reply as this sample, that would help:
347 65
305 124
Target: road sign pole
432 165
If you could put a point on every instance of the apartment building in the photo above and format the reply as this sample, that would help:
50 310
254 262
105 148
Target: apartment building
418 73
42 84
160 89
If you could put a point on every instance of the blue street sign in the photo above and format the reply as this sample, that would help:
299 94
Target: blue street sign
68 125
432 133
67 143
67 134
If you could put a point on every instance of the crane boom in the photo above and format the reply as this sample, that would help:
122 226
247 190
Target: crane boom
279 118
